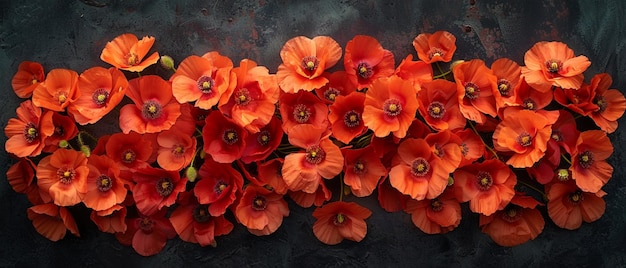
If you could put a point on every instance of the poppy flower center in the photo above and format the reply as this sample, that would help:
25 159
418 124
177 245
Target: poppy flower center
504 86
554 66
201 213
178 150
438 151
365 70
436 205
59 130
66 175
151 110
471 91
220 186
30 132
464 149
315 154
524 139
145 224
205 84
310 63
132 59
484 180
436 110
562 174
529 104
259 203
242 97
339 219
100 96
352 119
264 138
359 167
128 156
301 113
576 197
585 159
511 213
61 97
331 93
556 135
420 167
230 137
435 52
164 187
601 103
392 107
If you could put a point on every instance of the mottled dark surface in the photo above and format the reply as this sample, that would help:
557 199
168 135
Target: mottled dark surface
71 34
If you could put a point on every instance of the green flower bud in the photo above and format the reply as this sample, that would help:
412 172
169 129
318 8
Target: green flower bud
191 174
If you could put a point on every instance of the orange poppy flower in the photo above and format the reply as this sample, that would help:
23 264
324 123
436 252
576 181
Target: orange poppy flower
509 78
156 188
589 167
517 223
307 200
223 139
147 234
339 220
218 187
270 175
131 150
21 178
438 215
439 105
417 72
472 147
57 91
438 46
104 187
532 99
477 90
338 85
321 159
363 170
252 103
26 135
206 80
569 206
262 143
63 176
194 224
487 185
390 106
64 129
100 90
389 198
552 64
304 61
302 108
611 103
154 108
345 117
418 172
176 149
52 221
446 146
127 52
28 76
112 220
261 210
366 60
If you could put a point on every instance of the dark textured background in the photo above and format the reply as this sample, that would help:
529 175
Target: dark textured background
71 34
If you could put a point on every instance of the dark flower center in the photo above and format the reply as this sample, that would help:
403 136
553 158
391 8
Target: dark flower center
230 136
352 119
164 187
259 203
471 91
438 151
100 96
264 138
59 130
315 154
576 197
301 113
364 70
104 183
420 167
524 139
512 213
339 219
30 132
242 97
201 213
310 64
128 156
435 52
484 180
436 110
145 224
585 159
205 84
554 66
556 135
61 96
392 107
601 103
66 175
132 59
220 186
178 150
331 93
529 104
504 86
464 149
359 167
436 205
151 110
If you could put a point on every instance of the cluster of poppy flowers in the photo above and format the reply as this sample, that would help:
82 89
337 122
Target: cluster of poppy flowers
216 140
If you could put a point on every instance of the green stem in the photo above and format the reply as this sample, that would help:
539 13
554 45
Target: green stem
441 72
194 156
442 75
566 160
543 195
495 154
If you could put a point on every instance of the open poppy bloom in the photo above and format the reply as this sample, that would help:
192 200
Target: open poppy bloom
147 234
194 224
304 62
306 200
553 64
223 139
176 149
437 215
472 147
509 77
131 150
104 187
111 220
339 220
127 52
345 117
390 106
26 135
439 105
389 198
338 85
363 170
64 129
530 98
366 60
63 176
438 46
52 221
611 103
21 176
589 167
302 108
517 223
219 186
302 171
262 143
477 90
446 146
28 76
418 72
156 188
57 91
569 206
261 210
487 185
579 100
154 108
100 90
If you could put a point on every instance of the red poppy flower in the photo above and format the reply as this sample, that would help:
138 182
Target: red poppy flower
304 61
338 85
154 108
57 91
611 103
20 176
551 64
389 198
100 90
223 139
262 143
589 167
417 130
270 175
438 215
131 150
104 187
26 135
363 170
543 171
156 188
569 206
112 220
438 46
127 52
517 223
532 99
322 159
509 80
52 221
261 210
472 146
579 100
147 234
307 200
565 132
487 185
206 80
390 106
447 147
186 122
439 105
28 76
64 129
194 224
63 176
339 220
477 90
366 60
176 149
302 108
218 187
417 72
345 117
